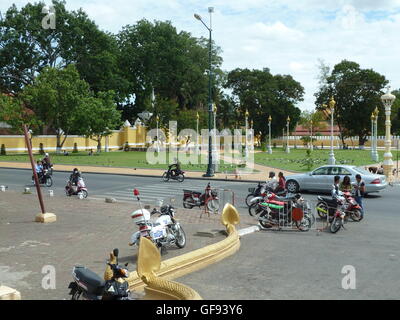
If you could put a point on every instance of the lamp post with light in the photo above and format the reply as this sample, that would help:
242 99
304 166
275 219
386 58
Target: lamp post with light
332 159
210 167
387 100
197 131
269 135
287 138
373 136
376 154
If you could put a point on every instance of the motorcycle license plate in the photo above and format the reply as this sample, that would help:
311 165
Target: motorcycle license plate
158 234
144 233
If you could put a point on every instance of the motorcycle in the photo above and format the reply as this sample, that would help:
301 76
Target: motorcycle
260 192
351 208
335 208
44 178
165 231
284 211
169 175
196 199
87 285
79 190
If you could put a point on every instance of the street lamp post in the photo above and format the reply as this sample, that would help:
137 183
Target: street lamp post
210 167
269 135
332 159
158 136
197 131
376 154
246 149
373 136
387 100
287 138
215 149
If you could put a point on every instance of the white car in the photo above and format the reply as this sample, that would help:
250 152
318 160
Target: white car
321 179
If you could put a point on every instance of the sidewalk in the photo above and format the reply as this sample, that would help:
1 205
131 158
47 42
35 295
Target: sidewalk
262 175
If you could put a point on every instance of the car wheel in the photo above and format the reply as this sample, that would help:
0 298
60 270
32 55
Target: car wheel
292 186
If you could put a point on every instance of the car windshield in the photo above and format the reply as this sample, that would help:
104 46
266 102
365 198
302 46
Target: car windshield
362 170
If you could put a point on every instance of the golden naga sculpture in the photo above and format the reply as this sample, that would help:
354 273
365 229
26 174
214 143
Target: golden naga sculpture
154 273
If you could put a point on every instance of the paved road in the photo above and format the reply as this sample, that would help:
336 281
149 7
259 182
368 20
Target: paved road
295 265
120 187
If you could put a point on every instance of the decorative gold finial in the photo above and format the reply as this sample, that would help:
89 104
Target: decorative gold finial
215 108
288 119
376 112
332 103
373 116
270 118
197 116
230 217
247 114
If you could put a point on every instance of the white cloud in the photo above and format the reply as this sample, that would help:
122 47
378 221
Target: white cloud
287 36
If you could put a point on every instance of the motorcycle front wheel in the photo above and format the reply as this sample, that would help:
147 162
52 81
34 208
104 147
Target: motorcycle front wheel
254 210
84 194
248 198
265 224
180 238
336 224
76 295
213 205
165 177
49 182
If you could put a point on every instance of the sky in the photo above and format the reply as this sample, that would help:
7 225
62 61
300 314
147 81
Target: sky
286 36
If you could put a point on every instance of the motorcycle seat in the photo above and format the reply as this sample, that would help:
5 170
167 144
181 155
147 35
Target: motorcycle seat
330 202
286 199
94 283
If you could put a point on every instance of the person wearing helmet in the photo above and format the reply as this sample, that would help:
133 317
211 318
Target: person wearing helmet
46 162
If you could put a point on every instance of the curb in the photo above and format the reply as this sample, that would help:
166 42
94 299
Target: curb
249 230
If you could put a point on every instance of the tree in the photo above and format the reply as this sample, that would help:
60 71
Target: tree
264 94
155 56
26 48
14 113
357 93
99 117
56 96
312 121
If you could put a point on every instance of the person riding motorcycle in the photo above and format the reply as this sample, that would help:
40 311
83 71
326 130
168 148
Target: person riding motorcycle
39 170
46 161
336 192
73 179
175 169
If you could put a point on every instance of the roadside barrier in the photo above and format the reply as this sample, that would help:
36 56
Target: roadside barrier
192 261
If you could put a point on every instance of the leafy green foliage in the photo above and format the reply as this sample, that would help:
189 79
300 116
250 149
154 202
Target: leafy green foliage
357 93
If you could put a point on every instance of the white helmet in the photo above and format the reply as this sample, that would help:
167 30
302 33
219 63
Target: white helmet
46 154
140 216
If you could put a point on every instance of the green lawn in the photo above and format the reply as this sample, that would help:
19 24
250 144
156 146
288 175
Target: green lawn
294 161
132 159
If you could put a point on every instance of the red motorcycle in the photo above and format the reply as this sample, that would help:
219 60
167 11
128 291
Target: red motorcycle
352 208
197 199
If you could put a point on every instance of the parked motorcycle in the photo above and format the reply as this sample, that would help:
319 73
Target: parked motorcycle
169 175
44 178
165 231
197 199
87 285
284 211
351 208
79 190
257 194
336 208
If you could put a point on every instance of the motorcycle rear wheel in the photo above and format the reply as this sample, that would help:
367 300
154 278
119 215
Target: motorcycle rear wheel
304 225
355 215
322 205
49 182
265 224
186 204
181 238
